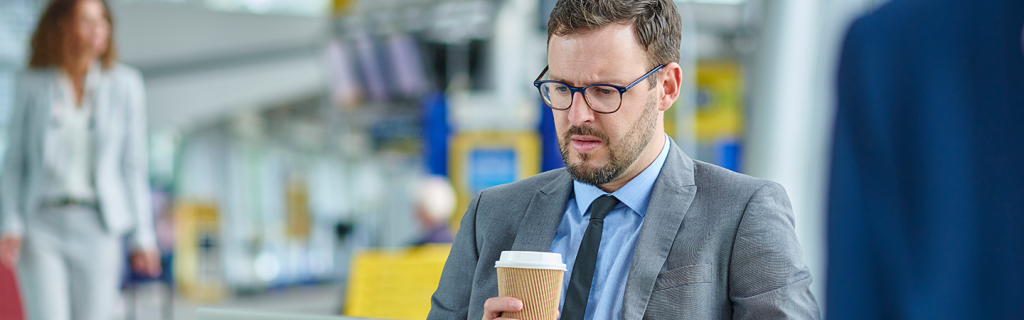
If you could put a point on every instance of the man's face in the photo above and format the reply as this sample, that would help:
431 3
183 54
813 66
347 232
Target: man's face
601 148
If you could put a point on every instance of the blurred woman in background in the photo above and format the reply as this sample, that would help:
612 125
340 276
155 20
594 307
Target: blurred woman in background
74 177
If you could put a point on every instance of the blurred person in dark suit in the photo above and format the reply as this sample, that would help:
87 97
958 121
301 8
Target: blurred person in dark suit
927 191
75 174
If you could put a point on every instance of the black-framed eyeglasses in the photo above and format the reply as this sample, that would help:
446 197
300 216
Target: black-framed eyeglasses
602 98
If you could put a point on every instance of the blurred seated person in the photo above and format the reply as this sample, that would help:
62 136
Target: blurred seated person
434 204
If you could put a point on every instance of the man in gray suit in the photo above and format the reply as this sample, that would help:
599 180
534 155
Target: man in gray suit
646 232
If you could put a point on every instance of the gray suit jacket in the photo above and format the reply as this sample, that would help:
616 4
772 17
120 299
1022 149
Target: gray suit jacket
714 244
121 173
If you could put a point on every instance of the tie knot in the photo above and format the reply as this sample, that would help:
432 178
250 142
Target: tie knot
602 206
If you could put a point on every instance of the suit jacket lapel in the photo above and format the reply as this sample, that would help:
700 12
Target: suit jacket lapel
540 222
101 103
101 111
670 199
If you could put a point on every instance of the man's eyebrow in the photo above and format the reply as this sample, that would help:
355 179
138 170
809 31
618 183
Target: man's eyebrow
562 80
621 83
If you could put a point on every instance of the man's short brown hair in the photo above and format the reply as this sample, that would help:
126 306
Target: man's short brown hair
656 22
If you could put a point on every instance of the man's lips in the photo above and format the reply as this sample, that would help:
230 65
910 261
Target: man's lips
585 144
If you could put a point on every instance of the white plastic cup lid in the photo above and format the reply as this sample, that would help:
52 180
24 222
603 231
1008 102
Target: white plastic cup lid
531 260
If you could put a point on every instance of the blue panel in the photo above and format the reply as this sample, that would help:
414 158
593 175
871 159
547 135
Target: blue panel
551 157
435 133
491 167
729 154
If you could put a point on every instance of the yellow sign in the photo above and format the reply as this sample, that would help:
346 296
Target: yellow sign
484 159
342 7
719 101
297 203
197 258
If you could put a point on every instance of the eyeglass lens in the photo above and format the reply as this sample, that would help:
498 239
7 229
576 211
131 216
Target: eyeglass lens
600 98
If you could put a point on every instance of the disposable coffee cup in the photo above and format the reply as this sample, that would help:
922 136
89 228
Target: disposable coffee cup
535 278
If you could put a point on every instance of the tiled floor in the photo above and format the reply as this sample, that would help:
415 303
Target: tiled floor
319 300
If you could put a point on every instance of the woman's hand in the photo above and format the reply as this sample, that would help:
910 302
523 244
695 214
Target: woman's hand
146 262
10 248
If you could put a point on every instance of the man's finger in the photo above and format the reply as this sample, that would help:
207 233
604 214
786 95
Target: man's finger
493 307
504 304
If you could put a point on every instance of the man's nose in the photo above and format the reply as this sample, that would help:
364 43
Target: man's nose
580 112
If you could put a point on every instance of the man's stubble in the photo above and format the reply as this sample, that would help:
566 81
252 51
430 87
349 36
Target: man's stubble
621 154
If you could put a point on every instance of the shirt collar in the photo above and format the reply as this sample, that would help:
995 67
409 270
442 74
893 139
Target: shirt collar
92 75
92 79
635 194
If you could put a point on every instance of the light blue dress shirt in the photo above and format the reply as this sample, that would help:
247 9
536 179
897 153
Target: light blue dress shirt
621 228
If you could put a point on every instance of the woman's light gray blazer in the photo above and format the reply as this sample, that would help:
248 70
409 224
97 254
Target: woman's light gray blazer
120 154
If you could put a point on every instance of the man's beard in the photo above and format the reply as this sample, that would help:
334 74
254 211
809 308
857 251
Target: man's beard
621 154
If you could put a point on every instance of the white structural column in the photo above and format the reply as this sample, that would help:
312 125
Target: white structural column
792 102
779 143
686 104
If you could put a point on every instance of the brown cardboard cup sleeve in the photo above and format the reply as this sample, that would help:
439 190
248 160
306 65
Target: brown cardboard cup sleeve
533 277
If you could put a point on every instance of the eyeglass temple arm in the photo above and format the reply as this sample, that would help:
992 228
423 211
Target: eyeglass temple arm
649 73
542 74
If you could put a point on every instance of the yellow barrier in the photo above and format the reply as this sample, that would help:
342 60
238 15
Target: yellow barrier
395 284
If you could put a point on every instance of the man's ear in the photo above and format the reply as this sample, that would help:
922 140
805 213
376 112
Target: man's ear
671 78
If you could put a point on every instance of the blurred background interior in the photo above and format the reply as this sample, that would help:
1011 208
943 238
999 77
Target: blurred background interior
287 137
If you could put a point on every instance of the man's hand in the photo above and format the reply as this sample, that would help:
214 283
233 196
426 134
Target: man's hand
493 307
146 262
10 247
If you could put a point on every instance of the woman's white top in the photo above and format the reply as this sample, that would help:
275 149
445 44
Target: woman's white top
69 142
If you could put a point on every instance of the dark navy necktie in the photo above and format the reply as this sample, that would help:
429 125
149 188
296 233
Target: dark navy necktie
586 259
